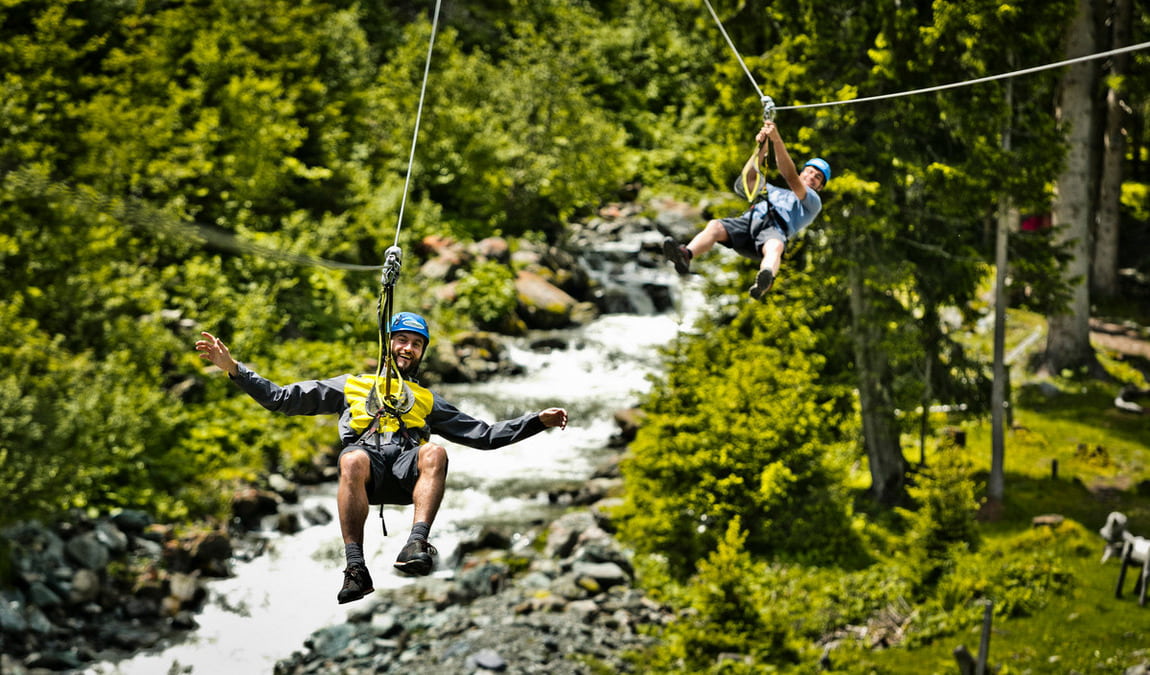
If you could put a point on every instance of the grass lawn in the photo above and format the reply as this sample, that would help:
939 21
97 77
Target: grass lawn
1069 452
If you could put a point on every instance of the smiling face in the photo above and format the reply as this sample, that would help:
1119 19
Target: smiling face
812 178
407 350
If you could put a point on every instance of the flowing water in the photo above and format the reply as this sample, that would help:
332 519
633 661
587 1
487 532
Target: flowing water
273 603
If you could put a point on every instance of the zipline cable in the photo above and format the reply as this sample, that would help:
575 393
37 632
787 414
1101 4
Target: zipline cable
418 117
733 50
925 90
389 403
768 114
980 80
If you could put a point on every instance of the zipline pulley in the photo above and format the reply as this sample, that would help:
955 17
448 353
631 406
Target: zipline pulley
768 109
392 262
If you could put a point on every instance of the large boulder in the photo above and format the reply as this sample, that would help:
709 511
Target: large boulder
542 304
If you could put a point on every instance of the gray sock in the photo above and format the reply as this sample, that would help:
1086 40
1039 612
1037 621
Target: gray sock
354 554
419 530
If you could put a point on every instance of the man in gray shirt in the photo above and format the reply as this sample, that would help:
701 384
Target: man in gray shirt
387 456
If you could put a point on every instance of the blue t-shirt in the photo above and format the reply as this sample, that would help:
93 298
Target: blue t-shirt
794 214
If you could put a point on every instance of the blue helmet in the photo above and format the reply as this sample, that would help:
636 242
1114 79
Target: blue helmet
412 323
823 167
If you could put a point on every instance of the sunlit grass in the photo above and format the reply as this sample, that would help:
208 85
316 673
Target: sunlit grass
1069 451
1086 630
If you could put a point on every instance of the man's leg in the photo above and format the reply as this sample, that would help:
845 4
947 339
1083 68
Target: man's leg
705 240
432 481
768 268
352 502
772 256
417 554
681 256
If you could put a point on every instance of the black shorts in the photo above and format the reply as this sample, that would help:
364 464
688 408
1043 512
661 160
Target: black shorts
394 470
747 237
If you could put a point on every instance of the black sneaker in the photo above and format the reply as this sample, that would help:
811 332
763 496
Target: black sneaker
678 254
763 282
356 583
416 558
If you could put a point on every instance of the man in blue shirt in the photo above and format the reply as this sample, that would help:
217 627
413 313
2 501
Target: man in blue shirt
776 214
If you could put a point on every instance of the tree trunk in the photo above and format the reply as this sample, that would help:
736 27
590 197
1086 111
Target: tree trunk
1000 390
880 429
996 482
1068 341
1105 267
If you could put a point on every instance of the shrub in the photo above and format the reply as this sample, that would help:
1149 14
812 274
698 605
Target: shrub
487 294
731 614
740 429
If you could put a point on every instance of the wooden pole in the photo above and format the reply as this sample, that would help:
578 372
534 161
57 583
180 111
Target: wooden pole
984 644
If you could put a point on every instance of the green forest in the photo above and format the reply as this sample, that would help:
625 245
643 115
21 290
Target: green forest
172 166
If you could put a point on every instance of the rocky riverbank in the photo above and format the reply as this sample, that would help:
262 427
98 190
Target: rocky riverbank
563 602
90 589
555 599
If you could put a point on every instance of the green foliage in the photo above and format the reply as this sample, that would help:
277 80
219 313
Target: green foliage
1136 198
730 615
487 294
942 524
1017 579
697 463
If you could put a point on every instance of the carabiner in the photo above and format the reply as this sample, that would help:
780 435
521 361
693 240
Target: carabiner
392 261
768 109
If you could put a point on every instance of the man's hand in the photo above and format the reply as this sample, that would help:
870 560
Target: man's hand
769 130
554 417
213 349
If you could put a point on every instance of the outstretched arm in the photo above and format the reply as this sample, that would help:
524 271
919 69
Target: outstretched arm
459 427
554 417
310 397
213 349
783 159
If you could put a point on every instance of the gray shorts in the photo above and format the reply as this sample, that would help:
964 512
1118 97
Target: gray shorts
394 470
747 237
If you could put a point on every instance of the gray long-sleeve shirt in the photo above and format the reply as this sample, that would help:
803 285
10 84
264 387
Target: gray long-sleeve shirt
346 396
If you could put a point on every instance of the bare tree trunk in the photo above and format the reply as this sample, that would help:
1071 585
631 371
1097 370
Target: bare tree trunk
996 482
1105 268
1068 338
880 429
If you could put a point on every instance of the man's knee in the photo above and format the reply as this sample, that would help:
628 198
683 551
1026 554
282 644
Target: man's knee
432 459
715 230
773 247
354 465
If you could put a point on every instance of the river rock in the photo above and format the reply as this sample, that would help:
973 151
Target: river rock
286 489
495 249
87 551
211 552
628 421
675 218
488 659
542 305
250 505
132 522
563 533
11 617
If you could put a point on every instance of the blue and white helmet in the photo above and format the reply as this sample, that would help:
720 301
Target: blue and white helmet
822 165
410 322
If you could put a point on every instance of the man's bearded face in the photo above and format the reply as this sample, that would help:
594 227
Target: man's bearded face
407 350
